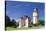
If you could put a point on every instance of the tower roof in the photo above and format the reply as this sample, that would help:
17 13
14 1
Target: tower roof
36 10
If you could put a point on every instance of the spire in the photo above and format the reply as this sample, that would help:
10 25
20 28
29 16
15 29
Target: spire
35 9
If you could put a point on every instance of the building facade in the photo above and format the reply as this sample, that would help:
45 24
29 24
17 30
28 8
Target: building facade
24 21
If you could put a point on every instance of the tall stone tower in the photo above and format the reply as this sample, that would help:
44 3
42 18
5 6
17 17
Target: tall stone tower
35 16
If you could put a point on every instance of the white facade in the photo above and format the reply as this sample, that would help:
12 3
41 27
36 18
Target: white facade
35 16
22 22
26 22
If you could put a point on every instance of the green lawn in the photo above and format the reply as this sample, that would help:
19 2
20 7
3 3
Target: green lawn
11 28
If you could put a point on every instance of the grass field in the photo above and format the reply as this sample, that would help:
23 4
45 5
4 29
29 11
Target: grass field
12 28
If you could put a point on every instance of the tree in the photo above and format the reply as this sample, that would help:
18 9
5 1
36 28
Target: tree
41 22
7 21
14 23
10 23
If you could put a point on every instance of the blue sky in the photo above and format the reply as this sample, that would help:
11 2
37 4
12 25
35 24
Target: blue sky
16 9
